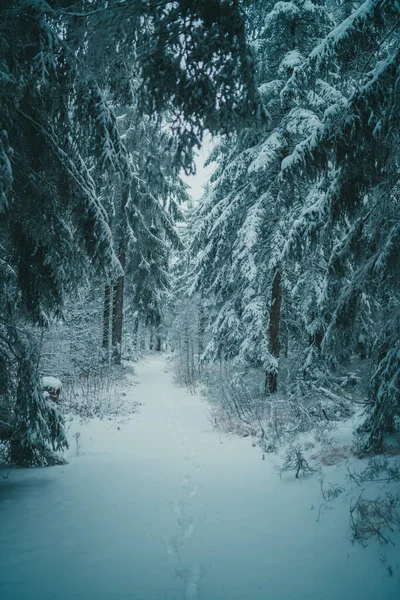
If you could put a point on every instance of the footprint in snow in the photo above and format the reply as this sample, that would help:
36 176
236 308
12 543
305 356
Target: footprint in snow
173 554
193 492
192 583
186 481
198 467
189 530
188 488
179 510
188 454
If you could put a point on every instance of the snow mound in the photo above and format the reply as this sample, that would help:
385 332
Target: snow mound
51 382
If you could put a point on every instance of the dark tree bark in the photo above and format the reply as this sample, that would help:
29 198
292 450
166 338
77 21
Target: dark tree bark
151 340
317 337
201 330
107 320
117 320
118 291
271 375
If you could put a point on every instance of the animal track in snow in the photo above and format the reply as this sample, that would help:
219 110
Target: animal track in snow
188 454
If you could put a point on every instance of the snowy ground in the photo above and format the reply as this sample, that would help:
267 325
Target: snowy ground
159 506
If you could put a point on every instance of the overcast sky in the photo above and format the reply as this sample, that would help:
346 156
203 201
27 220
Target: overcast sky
198 181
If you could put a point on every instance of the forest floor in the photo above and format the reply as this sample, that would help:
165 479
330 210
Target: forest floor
159 506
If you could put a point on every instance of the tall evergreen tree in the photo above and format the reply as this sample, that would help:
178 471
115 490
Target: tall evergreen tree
64 68
354 152
242 221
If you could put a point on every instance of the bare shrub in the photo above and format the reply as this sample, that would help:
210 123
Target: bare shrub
186 339
329 491
98 393
237 399
295 461
378 470
375 518
186 366
332 454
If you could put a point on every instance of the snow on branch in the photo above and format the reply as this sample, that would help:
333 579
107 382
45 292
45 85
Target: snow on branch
343 41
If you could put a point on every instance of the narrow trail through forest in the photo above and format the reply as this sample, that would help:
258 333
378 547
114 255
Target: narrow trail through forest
159 506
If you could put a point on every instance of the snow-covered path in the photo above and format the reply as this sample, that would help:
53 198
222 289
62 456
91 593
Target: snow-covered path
161 507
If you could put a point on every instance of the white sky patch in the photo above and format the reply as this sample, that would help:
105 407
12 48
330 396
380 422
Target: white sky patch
198 181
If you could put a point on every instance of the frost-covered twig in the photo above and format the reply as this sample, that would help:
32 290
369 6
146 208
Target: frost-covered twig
295 461
370 518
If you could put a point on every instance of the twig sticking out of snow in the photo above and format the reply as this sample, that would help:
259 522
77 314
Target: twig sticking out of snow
295 461
370 518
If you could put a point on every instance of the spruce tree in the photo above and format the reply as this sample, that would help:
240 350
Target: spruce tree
354 154
64 68
242 221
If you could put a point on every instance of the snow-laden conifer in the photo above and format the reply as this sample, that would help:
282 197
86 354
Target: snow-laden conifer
64 70
243 219
353 153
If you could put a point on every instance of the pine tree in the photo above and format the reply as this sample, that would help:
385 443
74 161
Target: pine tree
354 153
144 226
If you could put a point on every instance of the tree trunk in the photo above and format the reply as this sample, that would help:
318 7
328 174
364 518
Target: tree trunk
118 292
117 320
271 375
317 337
200 334
107 321
151 340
